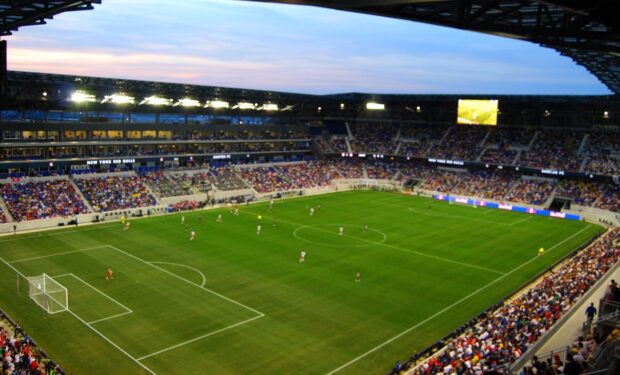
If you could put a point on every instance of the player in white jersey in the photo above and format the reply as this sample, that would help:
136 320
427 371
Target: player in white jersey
236 212
219 218
311 211
182 220
302 257
258 229
341 231
127 225
270 204
192 236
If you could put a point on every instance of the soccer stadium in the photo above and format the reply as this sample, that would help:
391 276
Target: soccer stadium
150 226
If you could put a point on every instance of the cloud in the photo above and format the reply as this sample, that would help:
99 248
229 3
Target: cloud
288 48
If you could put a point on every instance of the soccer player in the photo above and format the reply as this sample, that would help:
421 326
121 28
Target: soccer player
365 227
182 220
270 204
311 211
123 219
302 256
358 277
127 224
541 251
109 274
258 229
236 212
219 218
192 236
341 231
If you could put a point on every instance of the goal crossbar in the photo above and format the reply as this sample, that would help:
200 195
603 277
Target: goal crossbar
48 293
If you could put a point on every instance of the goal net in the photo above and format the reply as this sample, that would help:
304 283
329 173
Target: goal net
48 293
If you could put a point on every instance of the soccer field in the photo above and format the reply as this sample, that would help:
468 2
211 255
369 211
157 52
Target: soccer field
234 302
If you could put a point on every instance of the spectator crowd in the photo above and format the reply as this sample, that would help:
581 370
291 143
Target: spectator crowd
20 356
32 200
115 192
505 332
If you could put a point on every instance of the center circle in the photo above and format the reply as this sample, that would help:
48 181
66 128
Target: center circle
327 235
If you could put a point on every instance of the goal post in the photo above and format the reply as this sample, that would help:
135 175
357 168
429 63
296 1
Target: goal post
48 293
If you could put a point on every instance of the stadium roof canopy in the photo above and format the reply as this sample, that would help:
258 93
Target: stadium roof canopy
16 14
586 31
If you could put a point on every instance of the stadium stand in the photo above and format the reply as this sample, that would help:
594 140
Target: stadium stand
502 156
382 170
19 354
503 333
338 145
602 164
225 178
115 192
505 136
164 185
583 193
3 218
185 206
374 138
279 178
461 143
530 191
554 148
32 200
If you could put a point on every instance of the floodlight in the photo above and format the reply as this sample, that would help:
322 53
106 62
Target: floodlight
119 98
217 104
82 97
187 102
245 105
375 106
156 100
269 107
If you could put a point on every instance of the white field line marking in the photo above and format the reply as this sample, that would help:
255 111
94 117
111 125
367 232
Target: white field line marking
198 338
370 243
521 220
204 278
54 233
127 309
91 327
57 254
450 306
440 214
112 343
63 275
110 317
447 260
188 281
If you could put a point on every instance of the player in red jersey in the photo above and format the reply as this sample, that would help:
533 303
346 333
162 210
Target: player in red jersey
109 274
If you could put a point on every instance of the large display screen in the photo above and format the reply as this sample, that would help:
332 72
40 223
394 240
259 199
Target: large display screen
477 112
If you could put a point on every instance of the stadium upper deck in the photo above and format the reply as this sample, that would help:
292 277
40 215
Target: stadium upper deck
72 120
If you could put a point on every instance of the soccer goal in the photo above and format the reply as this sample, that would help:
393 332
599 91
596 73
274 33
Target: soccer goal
48 293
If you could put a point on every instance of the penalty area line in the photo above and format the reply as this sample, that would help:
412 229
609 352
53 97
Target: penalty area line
91 327
440 312
199 338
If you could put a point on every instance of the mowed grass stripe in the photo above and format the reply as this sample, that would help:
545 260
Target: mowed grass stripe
316 317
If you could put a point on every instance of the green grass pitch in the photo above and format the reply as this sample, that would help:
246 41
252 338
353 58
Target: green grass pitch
232 301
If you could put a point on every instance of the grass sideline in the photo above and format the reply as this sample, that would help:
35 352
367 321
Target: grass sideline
232 301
